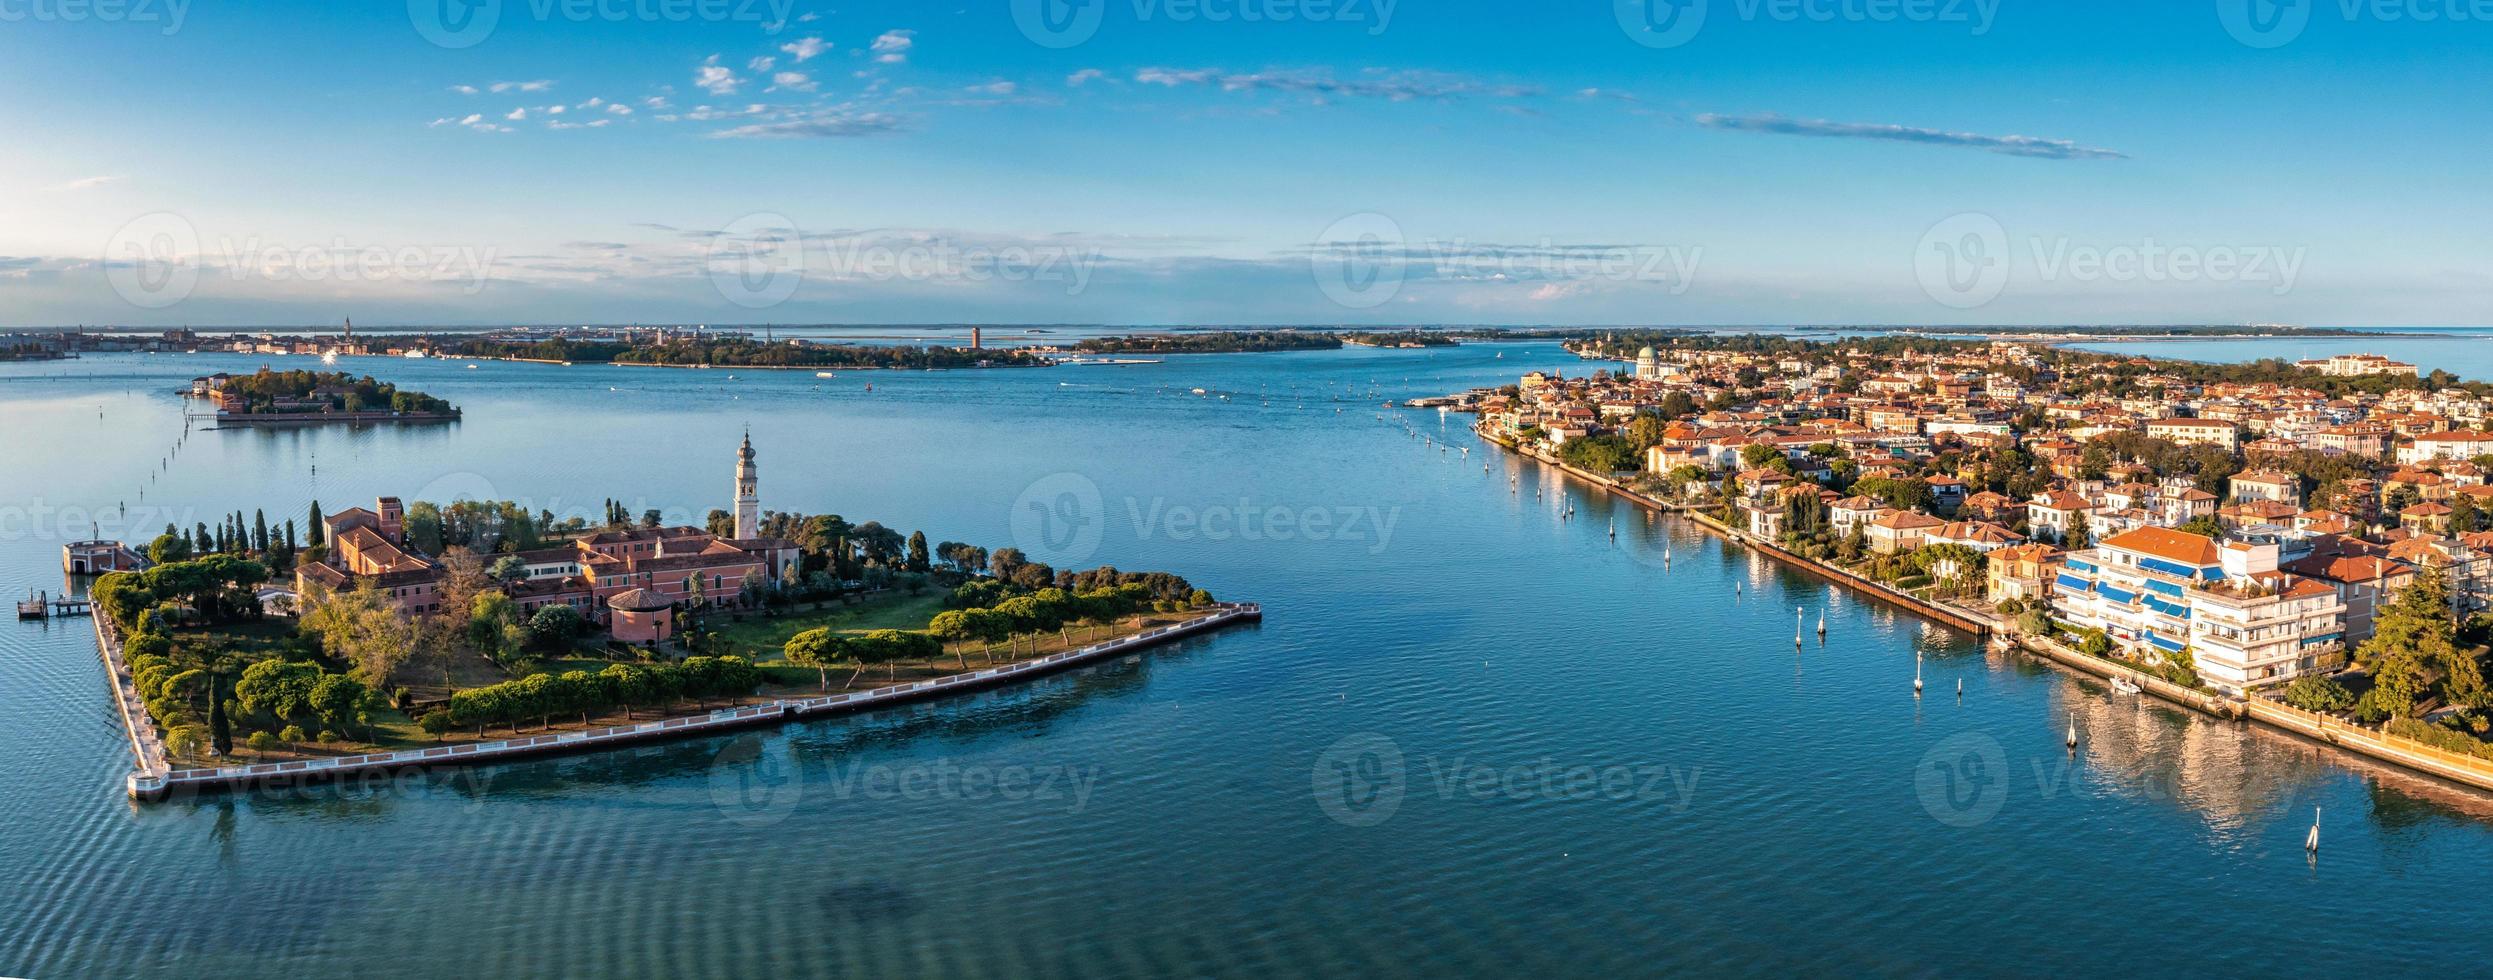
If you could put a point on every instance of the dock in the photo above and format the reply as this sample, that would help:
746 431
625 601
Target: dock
43 605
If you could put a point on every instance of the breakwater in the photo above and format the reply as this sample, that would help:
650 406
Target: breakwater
155 779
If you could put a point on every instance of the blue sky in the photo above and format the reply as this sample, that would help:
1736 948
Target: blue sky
1166 161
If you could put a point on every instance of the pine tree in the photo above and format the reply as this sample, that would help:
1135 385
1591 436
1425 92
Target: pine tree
2413 633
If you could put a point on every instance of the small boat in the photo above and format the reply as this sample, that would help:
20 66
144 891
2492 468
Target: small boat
1917 675
2126 686
2311 841
1200 391
471 367
826 374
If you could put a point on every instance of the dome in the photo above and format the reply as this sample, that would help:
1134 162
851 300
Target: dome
1646 354
638 600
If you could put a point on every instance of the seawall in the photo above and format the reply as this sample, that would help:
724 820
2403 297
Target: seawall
155 779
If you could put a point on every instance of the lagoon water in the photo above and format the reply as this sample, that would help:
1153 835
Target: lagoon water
1470 736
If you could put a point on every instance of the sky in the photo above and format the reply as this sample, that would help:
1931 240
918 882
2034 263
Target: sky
552 162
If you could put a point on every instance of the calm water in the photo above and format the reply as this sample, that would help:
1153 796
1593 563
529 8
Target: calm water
1226 806
2463 351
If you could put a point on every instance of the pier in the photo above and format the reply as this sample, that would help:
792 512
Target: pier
43 605
155 779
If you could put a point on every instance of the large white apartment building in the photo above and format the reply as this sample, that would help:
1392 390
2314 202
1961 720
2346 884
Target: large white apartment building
2245 623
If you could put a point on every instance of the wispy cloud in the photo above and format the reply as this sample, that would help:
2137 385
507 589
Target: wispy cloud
828 124
2023 146
1085 75
1396 86
805 48
715 78
892 47
85 183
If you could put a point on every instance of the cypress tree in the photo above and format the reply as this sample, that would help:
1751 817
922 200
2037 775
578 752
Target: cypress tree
316 528
259 530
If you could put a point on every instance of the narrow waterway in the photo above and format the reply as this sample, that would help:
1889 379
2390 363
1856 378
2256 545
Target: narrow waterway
1471 735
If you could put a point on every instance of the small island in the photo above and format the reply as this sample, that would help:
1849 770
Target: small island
405 633
301 397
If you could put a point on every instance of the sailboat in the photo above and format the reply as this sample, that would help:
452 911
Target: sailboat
2311 841
1917 674
2073 731
1797 613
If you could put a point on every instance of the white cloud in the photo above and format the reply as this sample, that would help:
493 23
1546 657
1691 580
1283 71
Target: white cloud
518 114
715 78
1085 75
84 183
538 85
795 81
761 63
892 47
619 109
465 89
819 125
997 87
804 49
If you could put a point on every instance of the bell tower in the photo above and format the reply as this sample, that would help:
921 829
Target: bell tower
748 492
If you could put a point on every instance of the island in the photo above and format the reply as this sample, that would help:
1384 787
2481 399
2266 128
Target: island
742 352
2304 544
311 397
416 633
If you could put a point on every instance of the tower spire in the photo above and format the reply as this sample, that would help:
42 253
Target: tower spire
748 490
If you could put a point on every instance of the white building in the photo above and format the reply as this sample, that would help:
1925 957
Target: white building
2159 591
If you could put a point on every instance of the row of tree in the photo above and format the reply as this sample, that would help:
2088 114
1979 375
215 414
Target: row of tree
539 698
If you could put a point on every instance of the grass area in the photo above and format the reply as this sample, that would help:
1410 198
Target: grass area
761 640
394 731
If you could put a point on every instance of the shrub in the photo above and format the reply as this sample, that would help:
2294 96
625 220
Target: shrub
293 735
2317 693
262 741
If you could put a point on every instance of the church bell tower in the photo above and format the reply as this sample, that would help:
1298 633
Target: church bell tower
748 492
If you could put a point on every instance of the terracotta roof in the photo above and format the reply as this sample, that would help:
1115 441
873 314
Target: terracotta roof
638 600
2166 543
1903 520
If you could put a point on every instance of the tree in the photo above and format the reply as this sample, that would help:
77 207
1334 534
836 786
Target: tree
436 724
2205 527
2411 635
508 568
953 626
2312 692
817 648
168 548
278 689
554 627
361 627
316 529
918 558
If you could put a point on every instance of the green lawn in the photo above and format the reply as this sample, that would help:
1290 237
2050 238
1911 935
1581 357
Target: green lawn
762 640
